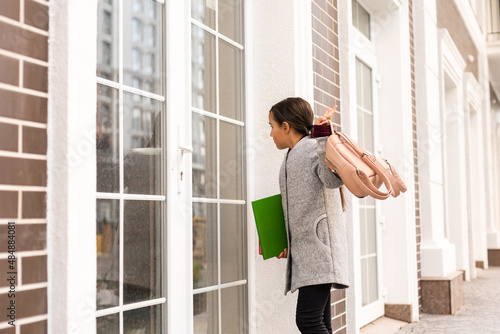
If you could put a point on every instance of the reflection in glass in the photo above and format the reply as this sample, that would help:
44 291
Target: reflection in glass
203 11
107 140
204 245
206 313
107 39
107 245
203 70
233 309
142 45
108 324
142 145
142 257
146 320
230 81
232 177
204 156
232 242
231 19
107 22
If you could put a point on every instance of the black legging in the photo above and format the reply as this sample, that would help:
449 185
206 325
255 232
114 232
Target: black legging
313 309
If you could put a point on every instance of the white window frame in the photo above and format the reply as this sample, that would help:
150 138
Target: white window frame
218 200
71 192
364 50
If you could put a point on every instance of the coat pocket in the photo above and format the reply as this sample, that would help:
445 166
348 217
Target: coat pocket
321 230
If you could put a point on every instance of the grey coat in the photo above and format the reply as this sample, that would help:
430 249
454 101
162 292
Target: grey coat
317 245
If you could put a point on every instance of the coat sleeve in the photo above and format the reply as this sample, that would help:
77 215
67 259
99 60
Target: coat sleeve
325 174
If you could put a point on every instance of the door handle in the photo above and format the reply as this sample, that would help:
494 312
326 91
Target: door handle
180 177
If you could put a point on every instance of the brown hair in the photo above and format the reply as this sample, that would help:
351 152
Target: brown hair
298 113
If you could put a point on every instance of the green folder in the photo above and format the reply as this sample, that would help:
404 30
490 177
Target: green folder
270 221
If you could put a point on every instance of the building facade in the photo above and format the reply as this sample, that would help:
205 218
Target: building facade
135 136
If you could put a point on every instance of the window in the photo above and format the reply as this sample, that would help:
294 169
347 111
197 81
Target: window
367 208
106 53
130 185
218 175
136 30
361 19
149 35
106 23
136 59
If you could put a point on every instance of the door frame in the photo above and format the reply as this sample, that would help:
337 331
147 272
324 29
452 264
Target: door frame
364 50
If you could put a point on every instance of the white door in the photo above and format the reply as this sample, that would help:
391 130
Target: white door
372 304
171 190
131 164
218 168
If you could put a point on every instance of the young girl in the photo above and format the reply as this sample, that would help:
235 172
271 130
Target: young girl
317 249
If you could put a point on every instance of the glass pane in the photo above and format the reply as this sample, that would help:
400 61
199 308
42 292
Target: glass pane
204 11
204 156
359 83
142 45
143 125
371 232
368 132
231 19
142 257
361 19
107 40
367 87
108 248
361 130
362 231
203 70
147 320
232 176
230 81
205 313
107 140
204 245
364 282
232 242
233 310
108 324
373 279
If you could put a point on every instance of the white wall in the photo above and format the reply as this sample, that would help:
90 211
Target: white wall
437 253
396 137
272 47
71 167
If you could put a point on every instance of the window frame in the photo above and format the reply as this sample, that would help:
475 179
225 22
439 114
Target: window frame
218 200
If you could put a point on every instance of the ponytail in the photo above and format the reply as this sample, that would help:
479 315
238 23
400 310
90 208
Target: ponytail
342 198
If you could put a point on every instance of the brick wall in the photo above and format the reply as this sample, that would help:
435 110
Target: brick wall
23 161
327 94
449 18
415 150
326 57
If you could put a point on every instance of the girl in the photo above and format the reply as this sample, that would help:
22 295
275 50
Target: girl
317 250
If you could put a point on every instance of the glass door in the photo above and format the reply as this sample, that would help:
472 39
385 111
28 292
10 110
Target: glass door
218 167
372 305
131 188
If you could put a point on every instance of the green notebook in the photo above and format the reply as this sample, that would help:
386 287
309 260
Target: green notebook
270 221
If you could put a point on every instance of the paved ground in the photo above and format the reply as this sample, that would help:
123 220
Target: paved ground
480 313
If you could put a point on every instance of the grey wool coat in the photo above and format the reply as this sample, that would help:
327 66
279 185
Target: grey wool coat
317 243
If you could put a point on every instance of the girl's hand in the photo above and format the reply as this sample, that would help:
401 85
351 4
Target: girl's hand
327 116
283 254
